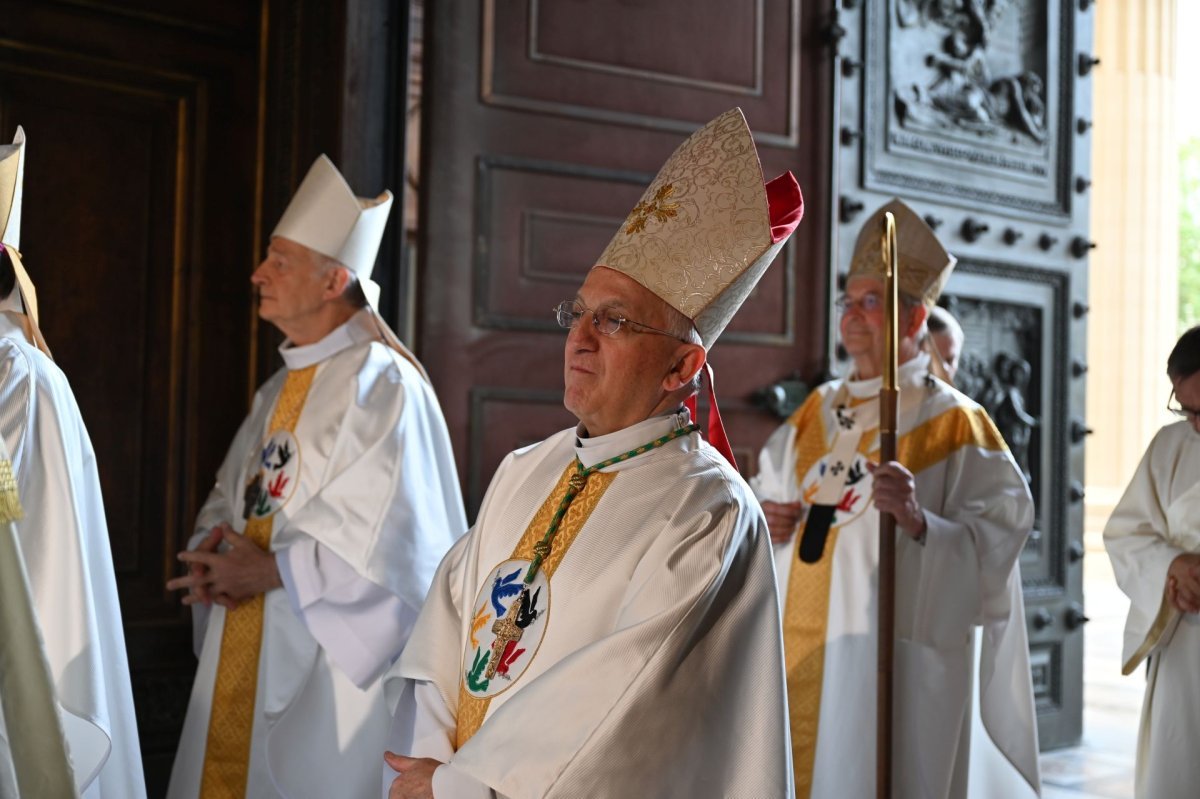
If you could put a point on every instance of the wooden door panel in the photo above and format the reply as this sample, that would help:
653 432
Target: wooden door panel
653 64
540 226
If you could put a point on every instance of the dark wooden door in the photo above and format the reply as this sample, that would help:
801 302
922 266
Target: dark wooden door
544 121
139 231
978 116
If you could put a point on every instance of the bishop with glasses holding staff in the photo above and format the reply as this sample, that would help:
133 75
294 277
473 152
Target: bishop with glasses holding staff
962 513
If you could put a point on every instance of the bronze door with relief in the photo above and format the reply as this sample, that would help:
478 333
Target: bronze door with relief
544 123
978 116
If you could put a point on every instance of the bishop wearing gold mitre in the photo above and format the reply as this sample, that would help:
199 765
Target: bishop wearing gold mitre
609 626
962 512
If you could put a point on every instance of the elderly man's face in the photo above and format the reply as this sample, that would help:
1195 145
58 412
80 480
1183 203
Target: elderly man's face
615 381
291 283
863 325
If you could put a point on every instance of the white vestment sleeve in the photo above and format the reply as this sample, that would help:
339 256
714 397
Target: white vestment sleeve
1136 538
776 478
361 625
424 727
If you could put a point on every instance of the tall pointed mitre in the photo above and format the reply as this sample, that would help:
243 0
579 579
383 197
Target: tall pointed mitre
22 301
924 264
325 215
708 227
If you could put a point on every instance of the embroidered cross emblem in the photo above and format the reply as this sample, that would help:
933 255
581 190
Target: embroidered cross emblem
658 208
837 468
845 420
505 629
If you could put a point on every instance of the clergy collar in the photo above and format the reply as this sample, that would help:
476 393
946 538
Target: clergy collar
595 449
911 373
354 330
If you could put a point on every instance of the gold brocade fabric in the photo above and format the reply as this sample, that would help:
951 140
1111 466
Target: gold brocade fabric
806 606
806 611
472 709
227 752
700 238
10 501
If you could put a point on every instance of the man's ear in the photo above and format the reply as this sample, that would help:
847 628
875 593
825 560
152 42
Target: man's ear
336 281
688 360
916 317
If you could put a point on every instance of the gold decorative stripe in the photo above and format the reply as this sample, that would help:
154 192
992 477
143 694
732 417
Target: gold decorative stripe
806 612
471 709
227 752
936 439
10 500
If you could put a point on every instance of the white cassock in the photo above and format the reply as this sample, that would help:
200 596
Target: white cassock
653 663
964 574
374 505
64 537
1157 520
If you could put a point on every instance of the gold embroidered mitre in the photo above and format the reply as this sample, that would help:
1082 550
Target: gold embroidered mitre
925 265
707 227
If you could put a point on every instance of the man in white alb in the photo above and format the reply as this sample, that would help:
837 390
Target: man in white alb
1153 539
336 501
963 512
609 626
64 533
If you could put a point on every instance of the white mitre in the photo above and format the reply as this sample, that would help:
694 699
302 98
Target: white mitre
326 216
22 301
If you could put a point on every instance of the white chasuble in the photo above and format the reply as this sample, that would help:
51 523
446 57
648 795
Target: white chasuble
654 664
1158 519
64 538
963 575
365 501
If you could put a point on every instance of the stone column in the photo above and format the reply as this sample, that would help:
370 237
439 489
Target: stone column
1134 279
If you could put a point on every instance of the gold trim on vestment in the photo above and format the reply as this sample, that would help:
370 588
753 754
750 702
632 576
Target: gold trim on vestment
806 606
471 709
227 752
10 500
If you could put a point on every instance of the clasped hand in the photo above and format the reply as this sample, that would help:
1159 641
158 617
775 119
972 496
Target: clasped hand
1183 583
228 575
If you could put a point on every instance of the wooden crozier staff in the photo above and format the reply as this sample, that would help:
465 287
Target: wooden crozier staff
889 396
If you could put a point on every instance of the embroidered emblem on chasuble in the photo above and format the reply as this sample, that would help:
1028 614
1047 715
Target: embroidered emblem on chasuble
856 496
275 481
507 626
511 617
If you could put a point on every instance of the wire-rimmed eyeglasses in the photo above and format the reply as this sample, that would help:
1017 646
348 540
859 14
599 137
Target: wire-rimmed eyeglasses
1174 406
867 303
606 320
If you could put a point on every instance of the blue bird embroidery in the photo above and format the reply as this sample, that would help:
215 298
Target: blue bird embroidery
504 587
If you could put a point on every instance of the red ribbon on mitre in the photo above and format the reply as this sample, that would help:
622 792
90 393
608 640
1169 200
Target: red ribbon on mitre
716 428
785 206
